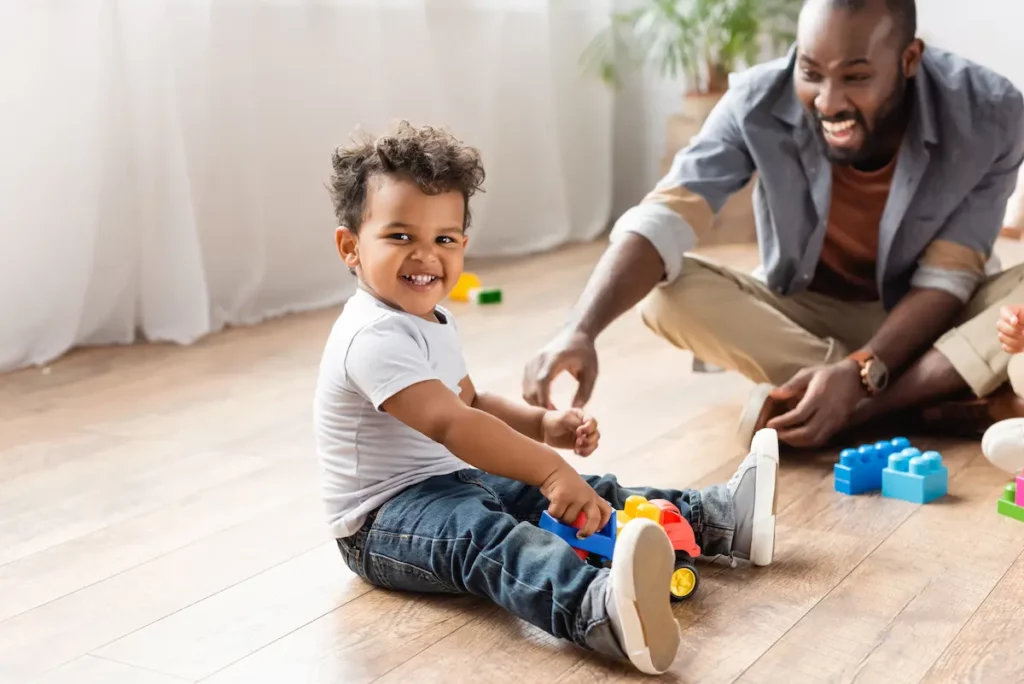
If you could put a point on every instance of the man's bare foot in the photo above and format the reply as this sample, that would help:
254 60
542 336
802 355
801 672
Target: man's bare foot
759 409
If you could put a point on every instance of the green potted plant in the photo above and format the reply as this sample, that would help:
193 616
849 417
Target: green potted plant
702 40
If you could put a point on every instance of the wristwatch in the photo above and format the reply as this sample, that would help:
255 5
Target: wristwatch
874 374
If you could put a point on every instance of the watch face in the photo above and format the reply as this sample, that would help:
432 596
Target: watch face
878 375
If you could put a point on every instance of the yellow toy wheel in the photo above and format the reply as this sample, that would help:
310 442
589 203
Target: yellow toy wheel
684 581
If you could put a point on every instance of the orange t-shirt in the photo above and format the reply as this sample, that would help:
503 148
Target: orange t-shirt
846 267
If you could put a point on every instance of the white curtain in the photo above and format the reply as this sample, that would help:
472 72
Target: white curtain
165 160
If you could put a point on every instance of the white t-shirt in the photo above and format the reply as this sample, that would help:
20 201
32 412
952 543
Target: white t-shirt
366 455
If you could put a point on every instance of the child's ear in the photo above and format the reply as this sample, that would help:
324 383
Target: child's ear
465 240
348 246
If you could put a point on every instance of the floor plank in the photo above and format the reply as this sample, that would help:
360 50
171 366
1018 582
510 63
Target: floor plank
207 636
489 650
988 647
60 570
41 511
359 642
92 670
57 632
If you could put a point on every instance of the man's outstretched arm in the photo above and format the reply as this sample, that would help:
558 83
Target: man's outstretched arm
626 272
647 247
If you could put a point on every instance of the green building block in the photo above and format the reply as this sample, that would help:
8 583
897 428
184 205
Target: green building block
485 296
1006 506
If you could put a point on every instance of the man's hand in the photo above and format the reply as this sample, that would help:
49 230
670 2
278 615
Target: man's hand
827 395
570 430
1011 328
569 495
571 351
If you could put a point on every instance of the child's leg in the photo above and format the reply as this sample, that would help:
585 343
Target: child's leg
725 519
450 534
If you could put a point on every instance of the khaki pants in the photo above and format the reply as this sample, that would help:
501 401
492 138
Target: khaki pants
732 320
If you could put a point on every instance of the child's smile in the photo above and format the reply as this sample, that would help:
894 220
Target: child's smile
422 282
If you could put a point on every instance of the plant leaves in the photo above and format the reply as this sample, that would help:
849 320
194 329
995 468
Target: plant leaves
696 38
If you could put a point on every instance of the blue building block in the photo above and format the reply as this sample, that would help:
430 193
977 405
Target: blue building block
915 477
860 470
601 543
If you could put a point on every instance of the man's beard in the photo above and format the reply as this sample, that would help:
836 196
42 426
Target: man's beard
875 151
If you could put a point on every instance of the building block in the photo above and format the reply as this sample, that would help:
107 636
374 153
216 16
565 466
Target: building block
860 470
466 282
479 295
601 543
1007 505
915 477
1019 494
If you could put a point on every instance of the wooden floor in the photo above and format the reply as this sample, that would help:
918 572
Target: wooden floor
160 523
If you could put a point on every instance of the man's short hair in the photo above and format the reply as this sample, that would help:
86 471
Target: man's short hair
904 11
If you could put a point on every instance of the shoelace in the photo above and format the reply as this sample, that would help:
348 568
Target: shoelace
735 479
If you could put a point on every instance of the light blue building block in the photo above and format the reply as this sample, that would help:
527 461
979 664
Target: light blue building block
860 470
915 477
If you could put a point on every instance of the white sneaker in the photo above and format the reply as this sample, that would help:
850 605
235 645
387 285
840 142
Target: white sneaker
753 489
639 607
1003 445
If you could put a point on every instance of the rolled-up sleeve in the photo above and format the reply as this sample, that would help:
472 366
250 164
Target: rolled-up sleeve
955 260
704 174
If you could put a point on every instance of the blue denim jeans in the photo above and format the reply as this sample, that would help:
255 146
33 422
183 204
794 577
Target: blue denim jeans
476 533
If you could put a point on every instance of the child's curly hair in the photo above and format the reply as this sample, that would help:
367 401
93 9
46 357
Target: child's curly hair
429 157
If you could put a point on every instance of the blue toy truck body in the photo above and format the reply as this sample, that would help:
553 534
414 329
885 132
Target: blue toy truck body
601 543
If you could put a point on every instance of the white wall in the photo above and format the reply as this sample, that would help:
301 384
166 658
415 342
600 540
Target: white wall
981 30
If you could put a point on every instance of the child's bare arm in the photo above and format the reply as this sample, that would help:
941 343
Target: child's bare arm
525 419
488 443
562 429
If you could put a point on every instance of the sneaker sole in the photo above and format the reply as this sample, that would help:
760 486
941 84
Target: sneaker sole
640 586
762 541
751 414
1009 460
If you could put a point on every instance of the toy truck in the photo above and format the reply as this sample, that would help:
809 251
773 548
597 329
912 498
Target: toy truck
599 548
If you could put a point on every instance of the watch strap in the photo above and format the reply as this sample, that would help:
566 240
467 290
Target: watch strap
863 357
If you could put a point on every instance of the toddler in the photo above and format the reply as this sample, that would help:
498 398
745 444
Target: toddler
1003 442
431 485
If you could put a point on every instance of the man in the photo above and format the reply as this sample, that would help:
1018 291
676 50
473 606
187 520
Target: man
883 174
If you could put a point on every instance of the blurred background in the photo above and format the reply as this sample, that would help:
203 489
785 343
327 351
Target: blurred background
165 160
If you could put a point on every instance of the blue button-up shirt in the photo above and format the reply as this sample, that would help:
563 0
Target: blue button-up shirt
956 168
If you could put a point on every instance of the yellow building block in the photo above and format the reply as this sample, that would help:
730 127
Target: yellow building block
467 281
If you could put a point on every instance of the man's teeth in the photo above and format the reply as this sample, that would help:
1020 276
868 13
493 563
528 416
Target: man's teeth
840 127
420 279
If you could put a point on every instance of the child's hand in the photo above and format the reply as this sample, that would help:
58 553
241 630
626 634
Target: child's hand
1011 328
569 495
570 430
